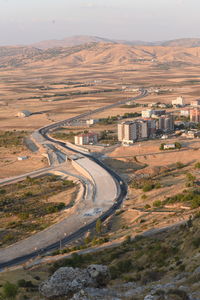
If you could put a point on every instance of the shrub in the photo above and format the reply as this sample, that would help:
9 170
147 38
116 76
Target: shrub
196 242
147 187
24 216
190 177
157 203
150 276
157 185
197 165
98 226
179 165
25 284
10 290
147 206
8 237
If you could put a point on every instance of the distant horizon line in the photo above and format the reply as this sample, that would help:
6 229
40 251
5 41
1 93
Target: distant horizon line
101 37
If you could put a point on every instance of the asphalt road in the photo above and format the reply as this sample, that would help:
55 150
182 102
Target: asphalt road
42 134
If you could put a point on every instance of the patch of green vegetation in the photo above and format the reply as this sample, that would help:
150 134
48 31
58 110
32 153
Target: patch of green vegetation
12 138
113 119
157 203
191 197
145 184
59 135
27 202
197 165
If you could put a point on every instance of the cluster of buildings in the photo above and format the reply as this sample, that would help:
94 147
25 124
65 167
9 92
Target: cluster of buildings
140 129
152 122
193 113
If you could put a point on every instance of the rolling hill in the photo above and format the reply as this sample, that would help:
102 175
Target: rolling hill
85 39
98 54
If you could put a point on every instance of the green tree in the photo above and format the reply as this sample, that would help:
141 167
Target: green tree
98 226
178 145
197 165
10 290
179 165
147 187
162 146
190 178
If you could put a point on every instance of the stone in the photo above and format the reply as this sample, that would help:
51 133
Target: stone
67 281
96 294
99 274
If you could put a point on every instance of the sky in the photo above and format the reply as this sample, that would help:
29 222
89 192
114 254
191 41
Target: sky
30 21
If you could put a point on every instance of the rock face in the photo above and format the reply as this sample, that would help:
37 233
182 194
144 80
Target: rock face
172 294
68 281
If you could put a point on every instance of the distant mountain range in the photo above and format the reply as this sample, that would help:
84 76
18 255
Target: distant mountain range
84 39
99 53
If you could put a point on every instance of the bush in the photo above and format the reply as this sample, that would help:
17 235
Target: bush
150 276
197 165
147 187
10 290
179 165
25 284
157 185
8 237
147 206
157 203
98 226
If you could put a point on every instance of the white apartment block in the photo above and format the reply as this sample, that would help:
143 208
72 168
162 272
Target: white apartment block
131 131
86 139
179 101
152 113
185 112
195 103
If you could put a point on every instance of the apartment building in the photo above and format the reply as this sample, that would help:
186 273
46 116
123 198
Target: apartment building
178 101
152 113
86 139
195 115
166 123
195 103
132 131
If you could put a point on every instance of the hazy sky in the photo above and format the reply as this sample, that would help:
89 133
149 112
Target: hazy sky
28 21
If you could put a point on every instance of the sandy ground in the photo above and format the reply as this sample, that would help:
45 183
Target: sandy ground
133 217
148 152
10 166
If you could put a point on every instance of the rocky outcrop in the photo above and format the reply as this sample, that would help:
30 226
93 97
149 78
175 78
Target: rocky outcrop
67 281
90 284
172 294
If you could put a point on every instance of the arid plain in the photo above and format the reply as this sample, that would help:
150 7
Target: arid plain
58 83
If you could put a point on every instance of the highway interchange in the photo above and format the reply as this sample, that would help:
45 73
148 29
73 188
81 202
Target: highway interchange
10 256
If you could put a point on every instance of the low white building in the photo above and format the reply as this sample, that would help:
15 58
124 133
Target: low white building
23 114
179 101
152 113
147 113
92 121
86 138
169 146
20 158
195 103
185 112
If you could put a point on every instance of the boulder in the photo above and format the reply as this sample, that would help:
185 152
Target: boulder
96 294
67 281
99 274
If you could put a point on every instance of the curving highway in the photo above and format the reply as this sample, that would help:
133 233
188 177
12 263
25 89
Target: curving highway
110 190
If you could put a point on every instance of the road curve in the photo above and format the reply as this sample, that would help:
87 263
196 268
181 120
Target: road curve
41 136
